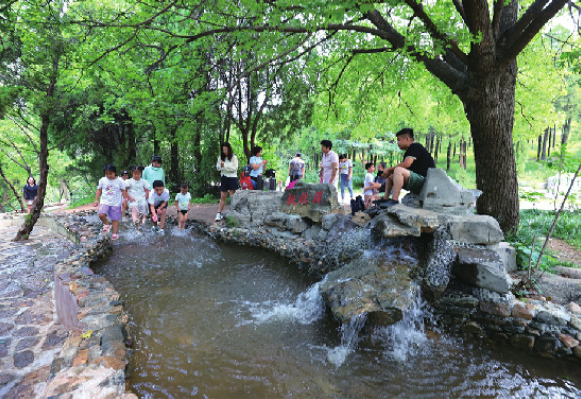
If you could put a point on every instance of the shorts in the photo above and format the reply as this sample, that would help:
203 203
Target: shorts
141 206
159 207
415 183
228 184
29 202
113 212
184 211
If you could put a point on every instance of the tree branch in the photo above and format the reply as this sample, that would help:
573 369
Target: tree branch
460 9
418 9
498 7
524 38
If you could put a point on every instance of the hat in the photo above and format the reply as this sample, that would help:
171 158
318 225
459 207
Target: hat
124 173
156 158
299 154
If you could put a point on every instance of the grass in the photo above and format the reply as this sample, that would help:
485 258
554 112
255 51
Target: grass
207 199
536 222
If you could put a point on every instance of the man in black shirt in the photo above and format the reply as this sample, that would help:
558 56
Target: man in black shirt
411 173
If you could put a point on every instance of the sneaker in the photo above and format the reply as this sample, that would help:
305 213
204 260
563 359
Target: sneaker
219 217
391 202
160 231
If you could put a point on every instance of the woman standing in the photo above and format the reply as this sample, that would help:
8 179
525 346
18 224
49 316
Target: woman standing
257 164
346 169
228 166
30 191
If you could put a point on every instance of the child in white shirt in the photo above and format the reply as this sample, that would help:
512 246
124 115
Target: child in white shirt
183 205
113 191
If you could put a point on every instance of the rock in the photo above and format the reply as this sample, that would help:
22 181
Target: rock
476 229
23 359
497 309
577 351
310 200
26 343
312 233
547 343
507 254
411 200
81 358
523 341
389 227
342 228
427 221
441 257
551 318
570 272
573 308
372 285
284 221
521 312
575 323
329 220
110 362
481 268
361 218
251 207
568 341
472 327
443 194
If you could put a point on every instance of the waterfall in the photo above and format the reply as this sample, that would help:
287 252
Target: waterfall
349 340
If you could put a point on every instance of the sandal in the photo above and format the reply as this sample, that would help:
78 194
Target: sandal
106 228
115 236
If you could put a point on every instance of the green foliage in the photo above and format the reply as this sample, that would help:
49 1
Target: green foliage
206 199
232 222
84 200
537 222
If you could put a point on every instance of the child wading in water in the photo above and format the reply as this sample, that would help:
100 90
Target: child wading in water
137 193
125 206
158 200
183 204
113 191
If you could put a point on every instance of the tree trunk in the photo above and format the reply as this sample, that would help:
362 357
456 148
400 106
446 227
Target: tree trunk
464 152
550 142
4 197
565 131
14 190
448 159
554 135
539 147
454 155
174 171
37 205
436 150
544 149
490 110
64 190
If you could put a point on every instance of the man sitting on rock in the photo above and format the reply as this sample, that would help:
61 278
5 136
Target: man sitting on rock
411 173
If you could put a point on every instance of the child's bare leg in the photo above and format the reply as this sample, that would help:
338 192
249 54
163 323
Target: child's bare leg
115 224
103 217
161 217
134 214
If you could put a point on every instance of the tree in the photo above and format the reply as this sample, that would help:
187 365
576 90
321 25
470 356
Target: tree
471 48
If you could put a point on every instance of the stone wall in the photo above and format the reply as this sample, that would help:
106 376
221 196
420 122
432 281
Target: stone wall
97 350
463 272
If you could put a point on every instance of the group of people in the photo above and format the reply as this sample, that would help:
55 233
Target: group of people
408 174
143 193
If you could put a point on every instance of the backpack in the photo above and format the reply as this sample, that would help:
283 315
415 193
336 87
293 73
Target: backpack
357 205
269 173
247 169
245 182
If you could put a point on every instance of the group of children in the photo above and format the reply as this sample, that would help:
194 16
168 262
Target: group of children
117 194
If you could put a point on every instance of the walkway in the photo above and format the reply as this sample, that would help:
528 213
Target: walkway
30 334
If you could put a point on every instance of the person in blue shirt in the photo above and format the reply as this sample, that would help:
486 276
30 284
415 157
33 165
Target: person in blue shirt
257 164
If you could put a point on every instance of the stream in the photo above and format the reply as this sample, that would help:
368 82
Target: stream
222 321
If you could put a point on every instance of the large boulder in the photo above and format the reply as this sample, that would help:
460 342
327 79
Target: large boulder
310 200
388 226
284 221
425 220
442 194
250 208
480 267
475 229
377 285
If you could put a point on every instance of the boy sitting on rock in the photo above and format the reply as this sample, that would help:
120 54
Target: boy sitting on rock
411 173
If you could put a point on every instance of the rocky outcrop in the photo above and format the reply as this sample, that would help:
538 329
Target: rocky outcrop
311 201
250 208
482 268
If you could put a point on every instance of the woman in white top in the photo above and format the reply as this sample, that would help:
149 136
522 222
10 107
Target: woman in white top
228 166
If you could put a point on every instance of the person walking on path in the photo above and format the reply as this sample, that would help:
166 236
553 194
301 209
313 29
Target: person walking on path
228 167
30 191
330 163
346 170
154 171
296 169
411 173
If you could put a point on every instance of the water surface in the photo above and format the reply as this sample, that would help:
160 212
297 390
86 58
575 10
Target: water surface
220 321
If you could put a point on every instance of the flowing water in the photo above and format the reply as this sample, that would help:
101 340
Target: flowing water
219 321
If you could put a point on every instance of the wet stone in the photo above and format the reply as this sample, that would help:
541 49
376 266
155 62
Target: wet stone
5 327
5 378
547 343
25 332
523 341
521 312
28 318
568 341
54 339
23 359
26 343
497 309
551 319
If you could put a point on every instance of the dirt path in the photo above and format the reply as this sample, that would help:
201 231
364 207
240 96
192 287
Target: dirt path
565 251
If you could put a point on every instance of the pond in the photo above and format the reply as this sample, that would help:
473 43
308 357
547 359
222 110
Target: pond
219 321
